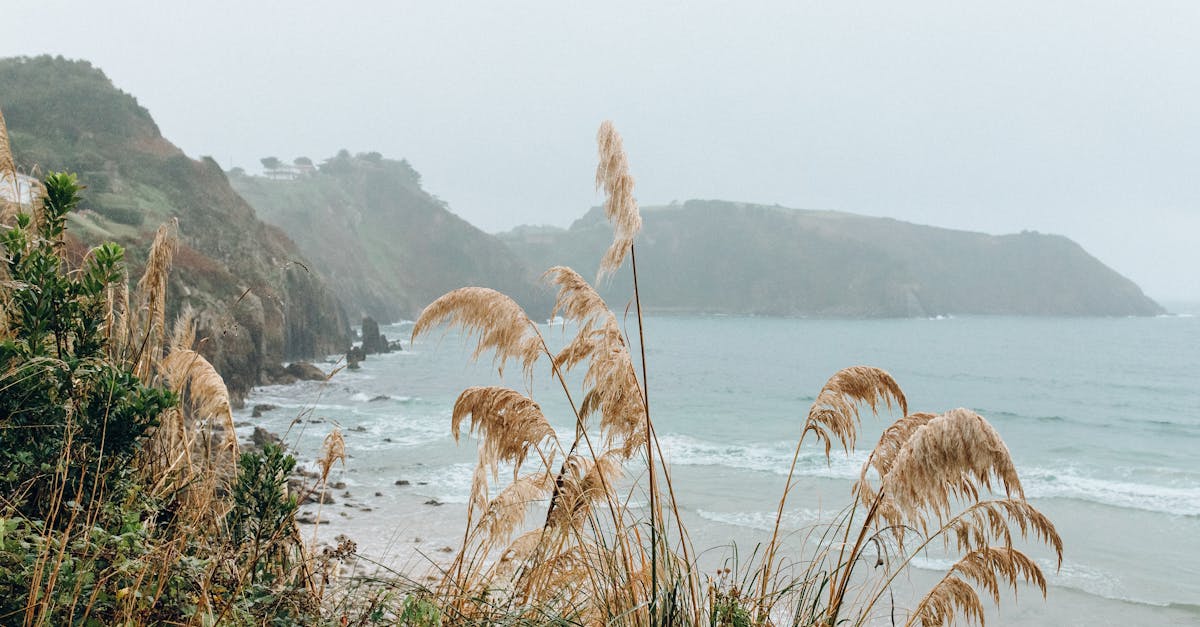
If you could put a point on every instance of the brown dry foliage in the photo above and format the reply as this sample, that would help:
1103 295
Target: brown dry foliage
935 476
152 298
951 457
611 384
990 568
500 323
835 414
508 423
8 175
612 175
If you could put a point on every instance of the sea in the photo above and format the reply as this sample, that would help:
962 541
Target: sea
1101 415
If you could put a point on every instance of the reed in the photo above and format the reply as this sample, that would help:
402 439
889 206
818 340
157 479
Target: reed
225 548
126 499
931 478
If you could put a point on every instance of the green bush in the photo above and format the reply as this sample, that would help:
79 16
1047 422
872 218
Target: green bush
71 419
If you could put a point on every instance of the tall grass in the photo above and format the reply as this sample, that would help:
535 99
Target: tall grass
126 499
584 529
595 558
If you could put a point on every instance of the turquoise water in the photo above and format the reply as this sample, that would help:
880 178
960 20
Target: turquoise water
1102 417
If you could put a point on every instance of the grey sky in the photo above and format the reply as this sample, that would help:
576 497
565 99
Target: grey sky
1080 118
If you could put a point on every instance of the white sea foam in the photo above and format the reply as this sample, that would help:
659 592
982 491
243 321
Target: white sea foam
1043 483
764 520
688 451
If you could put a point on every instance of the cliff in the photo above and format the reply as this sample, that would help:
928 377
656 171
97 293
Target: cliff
726 257
259 303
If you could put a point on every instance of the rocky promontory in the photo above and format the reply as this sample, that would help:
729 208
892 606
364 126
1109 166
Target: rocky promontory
259 301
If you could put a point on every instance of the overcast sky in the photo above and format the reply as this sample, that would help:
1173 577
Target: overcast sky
1079 118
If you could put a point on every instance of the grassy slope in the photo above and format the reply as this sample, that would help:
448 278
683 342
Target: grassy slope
67 115
714 256
388 247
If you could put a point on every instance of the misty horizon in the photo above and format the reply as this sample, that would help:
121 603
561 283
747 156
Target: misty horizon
1072 119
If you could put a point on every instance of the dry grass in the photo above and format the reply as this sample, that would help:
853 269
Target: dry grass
592 559
945 478
500 323
621 209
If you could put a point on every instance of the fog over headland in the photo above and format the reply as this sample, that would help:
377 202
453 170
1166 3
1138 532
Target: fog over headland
1077 118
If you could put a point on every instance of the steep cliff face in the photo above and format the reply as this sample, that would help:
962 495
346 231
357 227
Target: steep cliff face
387 246
724 257
258 301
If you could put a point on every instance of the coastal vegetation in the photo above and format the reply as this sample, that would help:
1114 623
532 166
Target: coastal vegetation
127 500
250 286
612 547
124 498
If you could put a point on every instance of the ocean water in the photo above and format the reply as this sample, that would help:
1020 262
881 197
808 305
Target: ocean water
1102 417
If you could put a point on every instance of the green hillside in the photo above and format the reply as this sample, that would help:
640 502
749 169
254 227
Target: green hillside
388 247
259 304
725 257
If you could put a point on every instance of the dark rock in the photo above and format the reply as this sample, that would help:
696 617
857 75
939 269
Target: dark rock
262 437
358 429
339 485
317 496
381 397
275 374
354 356
446 549
372 341
308 519
433 502
259 409
241 423
379 494
305 371
402 482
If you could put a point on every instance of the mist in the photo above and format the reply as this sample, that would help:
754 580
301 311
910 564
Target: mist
1072 118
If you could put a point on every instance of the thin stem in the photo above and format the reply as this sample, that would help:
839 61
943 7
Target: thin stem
637 300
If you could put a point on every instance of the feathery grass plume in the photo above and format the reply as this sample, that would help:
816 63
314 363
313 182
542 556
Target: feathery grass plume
835 415
333 450
949 457
204 412
612 175
183 331
508 423
585 482
152 296
990 568
499 321
8 176
835 412
577 300
885 452
614 392
505 513
611 382
987 522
